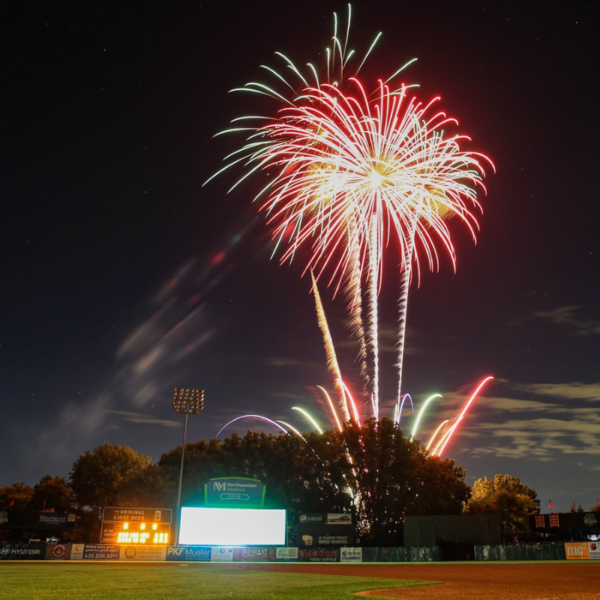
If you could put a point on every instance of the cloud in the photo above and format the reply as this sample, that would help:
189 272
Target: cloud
570 391
567 316
282 361
161 349
538 429
142 419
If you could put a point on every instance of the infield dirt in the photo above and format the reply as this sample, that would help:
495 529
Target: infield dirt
497 581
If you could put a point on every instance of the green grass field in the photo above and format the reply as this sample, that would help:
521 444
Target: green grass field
60 581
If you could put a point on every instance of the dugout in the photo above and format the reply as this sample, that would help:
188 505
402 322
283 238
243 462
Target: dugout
455 536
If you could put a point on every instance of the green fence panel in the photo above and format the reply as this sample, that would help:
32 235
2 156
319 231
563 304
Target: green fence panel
380 554
369 554
424 554
521 552
398 554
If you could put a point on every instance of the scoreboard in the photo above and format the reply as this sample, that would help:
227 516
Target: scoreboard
128 525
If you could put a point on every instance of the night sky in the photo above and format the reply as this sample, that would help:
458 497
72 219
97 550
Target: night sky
123 277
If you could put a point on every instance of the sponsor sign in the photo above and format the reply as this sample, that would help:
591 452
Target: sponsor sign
143 553
311 519
56 520
101 552
131 514
339 519
77 551
326 539
255 555
195 553
319 554
286 554
58 551
22 551
351 555
582 550
577 550
234 492
221 554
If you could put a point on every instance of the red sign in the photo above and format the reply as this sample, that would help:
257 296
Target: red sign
554 521
540 521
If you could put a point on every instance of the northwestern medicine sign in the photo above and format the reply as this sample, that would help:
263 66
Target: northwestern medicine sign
234 492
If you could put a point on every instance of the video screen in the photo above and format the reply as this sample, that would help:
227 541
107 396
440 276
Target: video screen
232 527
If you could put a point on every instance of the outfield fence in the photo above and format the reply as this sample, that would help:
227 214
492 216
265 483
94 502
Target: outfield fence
213 554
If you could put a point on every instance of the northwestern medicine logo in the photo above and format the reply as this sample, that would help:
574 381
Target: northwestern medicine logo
234 492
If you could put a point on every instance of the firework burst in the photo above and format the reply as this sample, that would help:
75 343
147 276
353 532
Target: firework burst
358 173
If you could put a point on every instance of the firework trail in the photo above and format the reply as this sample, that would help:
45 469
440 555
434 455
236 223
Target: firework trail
434 436
309 418
373 315
331 407
332 361
420 414
451 431
258 417
354 301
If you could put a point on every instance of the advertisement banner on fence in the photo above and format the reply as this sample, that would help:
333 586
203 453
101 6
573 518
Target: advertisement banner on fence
221 554
319 554
577 551
326 539
582 550
339 519
254 555
286 554
58 551
20 551
143 553
351 555
195 553
101 552
77 551
311 519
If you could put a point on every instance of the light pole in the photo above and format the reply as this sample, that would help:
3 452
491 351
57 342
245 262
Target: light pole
185 402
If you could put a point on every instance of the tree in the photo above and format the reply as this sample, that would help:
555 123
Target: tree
97 479
15 497
392 477
98 476
373 471
506 495
52 493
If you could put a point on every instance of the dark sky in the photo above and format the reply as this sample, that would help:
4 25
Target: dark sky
123 277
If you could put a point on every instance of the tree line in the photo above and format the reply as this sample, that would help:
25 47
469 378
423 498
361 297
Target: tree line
375 472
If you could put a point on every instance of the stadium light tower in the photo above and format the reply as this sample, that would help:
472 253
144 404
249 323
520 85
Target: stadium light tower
185 402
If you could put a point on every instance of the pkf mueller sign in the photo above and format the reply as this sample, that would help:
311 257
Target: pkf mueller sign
234 492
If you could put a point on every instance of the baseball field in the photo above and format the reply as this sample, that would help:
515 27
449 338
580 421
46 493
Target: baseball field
106 580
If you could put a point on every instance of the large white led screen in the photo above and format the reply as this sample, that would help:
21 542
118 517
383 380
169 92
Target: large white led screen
232 527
